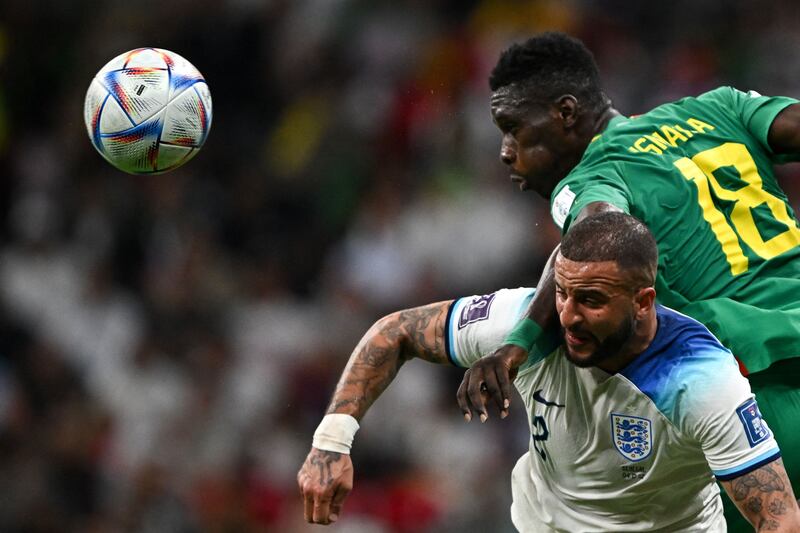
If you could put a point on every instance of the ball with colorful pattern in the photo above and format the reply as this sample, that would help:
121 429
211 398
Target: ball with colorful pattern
148 111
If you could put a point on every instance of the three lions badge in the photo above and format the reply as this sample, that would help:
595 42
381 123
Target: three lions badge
633 436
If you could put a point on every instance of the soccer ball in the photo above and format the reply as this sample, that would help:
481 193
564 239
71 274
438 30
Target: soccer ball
148 111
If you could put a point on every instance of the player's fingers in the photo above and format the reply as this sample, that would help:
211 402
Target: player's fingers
475 389
504 381
338 501
308 506
322 508
492 387
461 397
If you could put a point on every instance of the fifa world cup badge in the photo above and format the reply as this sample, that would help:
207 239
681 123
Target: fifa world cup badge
562 203
477 310
754 426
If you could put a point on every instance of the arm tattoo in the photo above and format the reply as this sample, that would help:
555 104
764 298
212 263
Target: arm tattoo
425 330
768 524
763 480
754 505
364 383
323 460
417 332
375 357
764 495
778 507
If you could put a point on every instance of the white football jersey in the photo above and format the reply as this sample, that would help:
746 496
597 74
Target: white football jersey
638 450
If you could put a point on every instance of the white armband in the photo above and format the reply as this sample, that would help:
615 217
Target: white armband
335 433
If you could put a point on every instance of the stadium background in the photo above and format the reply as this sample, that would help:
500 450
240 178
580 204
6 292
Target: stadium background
169 343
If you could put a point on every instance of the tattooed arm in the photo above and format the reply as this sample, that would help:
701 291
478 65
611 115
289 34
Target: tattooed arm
326 477
389 343
765 498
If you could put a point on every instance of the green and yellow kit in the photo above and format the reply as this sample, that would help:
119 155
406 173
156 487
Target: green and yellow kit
699 173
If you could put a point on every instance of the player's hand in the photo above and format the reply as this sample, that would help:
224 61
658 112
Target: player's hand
489 381
325 480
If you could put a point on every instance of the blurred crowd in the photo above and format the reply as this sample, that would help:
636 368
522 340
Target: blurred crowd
169 343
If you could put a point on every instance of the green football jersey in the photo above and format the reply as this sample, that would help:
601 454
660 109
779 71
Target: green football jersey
698 172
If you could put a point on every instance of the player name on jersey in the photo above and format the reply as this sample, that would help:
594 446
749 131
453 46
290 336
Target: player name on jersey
668 136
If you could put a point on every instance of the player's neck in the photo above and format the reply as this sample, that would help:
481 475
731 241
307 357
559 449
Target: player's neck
603 118
644 333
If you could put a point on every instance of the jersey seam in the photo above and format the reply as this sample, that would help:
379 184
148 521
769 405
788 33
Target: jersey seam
739 118
622 186
657 408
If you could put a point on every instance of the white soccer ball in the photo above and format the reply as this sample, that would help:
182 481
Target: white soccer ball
148 111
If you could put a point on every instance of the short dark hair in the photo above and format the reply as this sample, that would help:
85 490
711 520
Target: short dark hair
550 65
614 236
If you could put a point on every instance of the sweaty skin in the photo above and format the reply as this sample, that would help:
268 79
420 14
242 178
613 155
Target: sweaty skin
605 324
541 142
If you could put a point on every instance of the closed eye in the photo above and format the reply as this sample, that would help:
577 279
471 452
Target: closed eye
590 298
507 126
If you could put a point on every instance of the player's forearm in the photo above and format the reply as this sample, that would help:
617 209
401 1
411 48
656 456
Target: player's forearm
391 341
783 524
542 308
765 497
372 366
539 317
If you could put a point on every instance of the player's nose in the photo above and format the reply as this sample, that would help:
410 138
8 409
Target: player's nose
568 315
508 154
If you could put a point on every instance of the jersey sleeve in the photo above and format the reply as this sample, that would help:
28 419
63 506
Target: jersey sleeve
477 325
720 411
755 111
590 184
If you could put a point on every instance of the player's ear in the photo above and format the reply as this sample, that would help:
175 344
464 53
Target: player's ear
566 107
645 299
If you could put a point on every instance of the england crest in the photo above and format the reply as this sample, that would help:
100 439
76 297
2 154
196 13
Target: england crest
633 436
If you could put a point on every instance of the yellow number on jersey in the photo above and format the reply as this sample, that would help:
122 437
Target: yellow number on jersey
699 170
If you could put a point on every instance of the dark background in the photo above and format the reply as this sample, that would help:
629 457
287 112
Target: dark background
169 343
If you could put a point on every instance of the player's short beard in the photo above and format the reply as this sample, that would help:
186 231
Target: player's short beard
607 349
